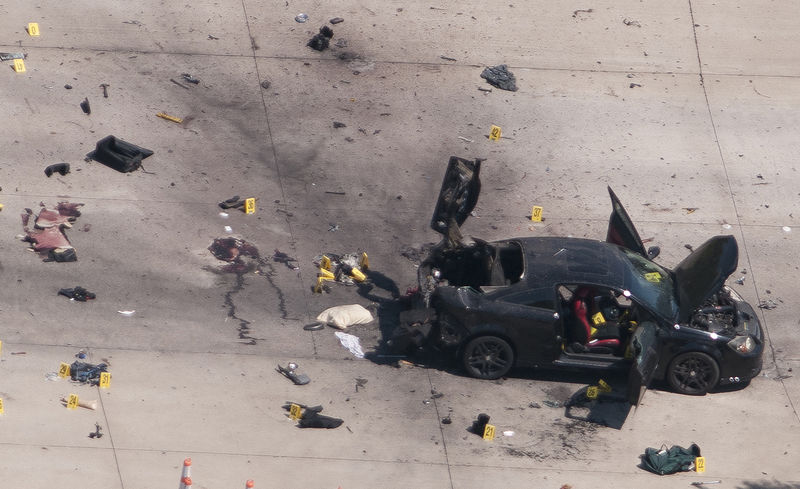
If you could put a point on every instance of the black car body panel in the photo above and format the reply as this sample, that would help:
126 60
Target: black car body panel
535 294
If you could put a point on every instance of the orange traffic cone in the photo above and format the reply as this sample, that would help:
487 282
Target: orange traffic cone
187 483
249 485
186 474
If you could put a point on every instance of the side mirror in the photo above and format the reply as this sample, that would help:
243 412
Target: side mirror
653 252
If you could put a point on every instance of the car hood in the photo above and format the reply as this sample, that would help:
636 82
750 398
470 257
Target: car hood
457 198
701 274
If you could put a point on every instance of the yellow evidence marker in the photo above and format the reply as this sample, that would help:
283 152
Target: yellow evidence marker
598 319
494 133
2 410
295 412
63 370
592 392
168 117
488 432
19 66
700 465
536 213
363 261
1 347
603 385
653 277
72 402
33 29
250 206
105 380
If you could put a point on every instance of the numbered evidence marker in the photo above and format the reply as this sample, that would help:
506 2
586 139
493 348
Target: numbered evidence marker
603 385
295 412
63 370
19 66
592 392
536 213
33 29
72 402
700 464
653 277
488 432
250 206
1 406
494 133
105 380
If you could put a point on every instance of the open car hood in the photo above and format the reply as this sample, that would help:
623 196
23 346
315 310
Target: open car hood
457 198
701 274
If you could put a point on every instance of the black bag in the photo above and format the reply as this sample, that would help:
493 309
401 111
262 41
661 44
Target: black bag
663 461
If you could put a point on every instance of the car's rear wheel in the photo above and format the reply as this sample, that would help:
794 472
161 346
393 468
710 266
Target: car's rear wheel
488 357
694 373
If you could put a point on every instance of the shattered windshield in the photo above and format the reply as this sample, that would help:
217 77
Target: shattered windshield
651 285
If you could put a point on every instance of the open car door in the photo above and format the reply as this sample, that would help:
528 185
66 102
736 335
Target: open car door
621 230
645 361
457 198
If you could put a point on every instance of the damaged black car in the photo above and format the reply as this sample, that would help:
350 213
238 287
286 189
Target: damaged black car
584 304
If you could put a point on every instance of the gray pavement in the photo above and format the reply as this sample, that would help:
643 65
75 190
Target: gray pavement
687 109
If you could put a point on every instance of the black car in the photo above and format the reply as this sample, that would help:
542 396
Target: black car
581 303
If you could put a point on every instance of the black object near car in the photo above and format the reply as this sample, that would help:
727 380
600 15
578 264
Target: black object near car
582 303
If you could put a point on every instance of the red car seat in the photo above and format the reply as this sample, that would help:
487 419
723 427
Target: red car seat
602 339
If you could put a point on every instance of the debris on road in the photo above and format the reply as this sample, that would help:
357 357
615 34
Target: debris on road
189 78
85 107
301 18
82 403
630 22
703 483
338 125
314 327
336 20
170 118
500 77
768 304
11 56
235 251
479 425
310 417
321 41
118 154
582 11
345 269
352 343
127 313
290 373
347 315
62 168
233 203
105 86
664 461
87 373
446 58
47 236
287 260
77 293
97 433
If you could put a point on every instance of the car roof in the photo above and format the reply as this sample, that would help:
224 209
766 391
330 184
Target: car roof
556 260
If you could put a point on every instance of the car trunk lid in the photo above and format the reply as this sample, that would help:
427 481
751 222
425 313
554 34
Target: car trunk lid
457 197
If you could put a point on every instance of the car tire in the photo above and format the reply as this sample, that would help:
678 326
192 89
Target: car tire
693 373
487 357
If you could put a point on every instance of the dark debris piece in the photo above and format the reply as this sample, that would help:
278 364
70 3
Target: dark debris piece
118 154
233 202
336 20
339 125
97 433
62 168
85 107
189 78
77 293
87 372
287 260
321 41
500 77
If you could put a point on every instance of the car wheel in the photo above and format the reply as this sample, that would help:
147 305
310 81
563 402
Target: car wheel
693 373
488 357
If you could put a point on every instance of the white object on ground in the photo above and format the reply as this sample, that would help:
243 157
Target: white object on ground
343 316
223 215
508 433
787 229
127 313
352 343
228 229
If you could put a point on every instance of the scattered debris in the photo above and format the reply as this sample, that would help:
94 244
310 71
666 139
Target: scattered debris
212 38
500 77
689 247
232 203
702 483
11 56
189 78
321 41
287 260
127 313
118 154
85 107
97 431
635 85
81 403
266 84
360 383
62 168
47 235
486 90
347 315
314 327
690 210
68 86
740 280
339 125
179 84
105 86
240 255
336 20
669 461
466 139
87 373
170 118
479 425
352 343
289 373
447 420
767 304
447 58
582 11
77 293
301 18
311 417
634 23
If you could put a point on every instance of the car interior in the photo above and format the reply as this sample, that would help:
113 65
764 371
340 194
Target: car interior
596 319
481 265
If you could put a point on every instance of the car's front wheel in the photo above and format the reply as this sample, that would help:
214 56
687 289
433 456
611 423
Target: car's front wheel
694 373
488 357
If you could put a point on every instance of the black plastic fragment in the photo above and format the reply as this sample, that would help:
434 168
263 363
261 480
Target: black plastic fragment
87 372
118 154
85 107
62 168
232 203
479 425
62 255
321 41
500 77
336 20
78 293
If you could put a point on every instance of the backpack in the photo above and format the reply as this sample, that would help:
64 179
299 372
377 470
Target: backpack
663 461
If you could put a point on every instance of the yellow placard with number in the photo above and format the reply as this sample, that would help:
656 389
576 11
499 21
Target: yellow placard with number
653 277
295 412
495 132
2 410
603 385
325 263
363 262
63 370
19 66
592 392
105 380
1 347
72 402
488 432
536 213
33 29
598 319
250 206
700 464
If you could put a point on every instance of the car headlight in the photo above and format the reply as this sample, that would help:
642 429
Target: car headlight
742 344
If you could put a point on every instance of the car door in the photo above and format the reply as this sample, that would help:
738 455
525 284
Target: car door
621 230
532 322
645 360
